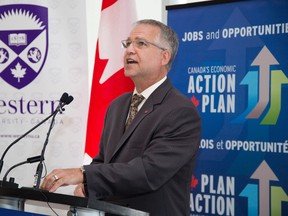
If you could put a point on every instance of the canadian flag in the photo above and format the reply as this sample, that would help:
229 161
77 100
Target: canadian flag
108 80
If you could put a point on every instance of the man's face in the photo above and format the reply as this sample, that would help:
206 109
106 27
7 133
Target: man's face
142 60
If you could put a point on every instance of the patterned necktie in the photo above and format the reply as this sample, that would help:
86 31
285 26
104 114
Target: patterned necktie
136 100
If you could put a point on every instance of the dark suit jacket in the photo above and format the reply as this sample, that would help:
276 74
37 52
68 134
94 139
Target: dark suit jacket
149 166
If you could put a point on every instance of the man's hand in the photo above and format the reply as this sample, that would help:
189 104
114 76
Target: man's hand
79 190
62 177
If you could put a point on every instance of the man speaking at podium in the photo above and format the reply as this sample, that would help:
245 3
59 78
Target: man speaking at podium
146 162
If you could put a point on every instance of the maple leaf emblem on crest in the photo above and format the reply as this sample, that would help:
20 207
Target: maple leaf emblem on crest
18 72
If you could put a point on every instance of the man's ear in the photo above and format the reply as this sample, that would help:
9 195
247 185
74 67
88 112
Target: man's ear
166 56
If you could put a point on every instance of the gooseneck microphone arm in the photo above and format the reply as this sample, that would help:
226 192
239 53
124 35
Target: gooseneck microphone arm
65 100
39 170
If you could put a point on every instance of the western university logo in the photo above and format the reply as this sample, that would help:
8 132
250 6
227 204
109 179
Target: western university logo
23 43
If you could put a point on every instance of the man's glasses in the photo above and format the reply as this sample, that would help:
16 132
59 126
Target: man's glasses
140 44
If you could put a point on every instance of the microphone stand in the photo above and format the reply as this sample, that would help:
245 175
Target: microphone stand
38 174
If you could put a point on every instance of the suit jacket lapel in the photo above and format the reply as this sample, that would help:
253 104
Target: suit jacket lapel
155 98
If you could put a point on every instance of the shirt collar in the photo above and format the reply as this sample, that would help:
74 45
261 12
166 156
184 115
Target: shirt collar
147 92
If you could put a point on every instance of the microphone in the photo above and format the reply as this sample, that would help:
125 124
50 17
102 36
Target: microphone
64 97
64 100
69 99
11 183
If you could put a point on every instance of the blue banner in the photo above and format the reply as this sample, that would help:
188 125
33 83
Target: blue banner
233 64
6 212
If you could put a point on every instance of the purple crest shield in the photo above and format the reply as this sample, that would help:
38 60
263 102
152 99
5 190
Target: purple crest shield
23 43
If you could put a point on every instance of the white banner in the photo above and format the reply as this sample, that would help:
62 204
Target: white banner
43 53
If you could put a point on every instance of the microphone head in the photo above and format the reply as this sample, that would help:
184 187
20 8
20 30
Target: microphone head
69 99
64 97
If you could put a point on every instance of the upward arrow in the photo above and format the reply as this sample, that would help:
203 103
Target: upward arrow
264 174
233 57
264 60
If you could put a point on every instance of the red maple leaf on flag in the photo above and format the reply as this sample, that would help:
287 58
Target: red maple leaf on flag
108 78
